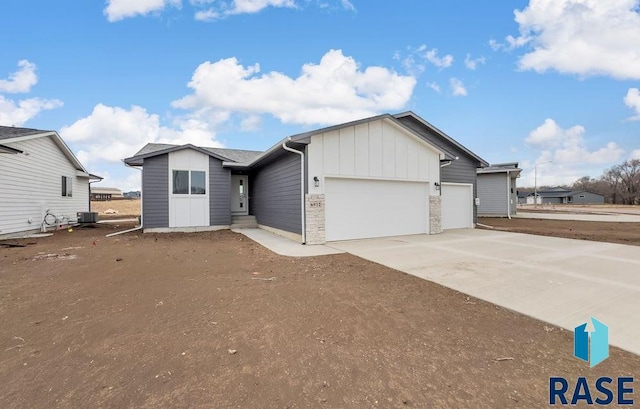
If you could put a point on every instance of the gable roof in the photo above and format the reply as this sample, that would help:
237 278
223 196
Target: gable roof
10 134
245 158
305 137
155 149
510 167
442 135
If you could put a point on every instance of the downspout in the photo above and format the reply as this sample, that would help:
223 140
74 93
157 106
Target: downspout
302 212
508 195
141 194
90 182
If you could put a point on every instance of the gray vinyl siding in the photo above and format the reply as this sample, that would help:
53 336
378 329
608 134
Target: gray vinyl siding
219 193
587 199
492 192
155 191
275 195
462 170
551 200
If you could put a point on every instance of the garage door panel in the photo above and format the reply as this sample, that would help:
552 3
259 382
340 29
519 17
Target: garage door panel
360 208
457 206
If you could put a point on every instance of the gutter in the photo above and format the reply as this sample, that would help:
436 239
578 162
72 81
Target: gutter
302 212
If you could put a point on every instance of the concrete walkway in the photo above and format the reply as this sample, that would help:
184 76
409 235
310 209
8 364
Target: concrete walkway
285 247
610 217
560 281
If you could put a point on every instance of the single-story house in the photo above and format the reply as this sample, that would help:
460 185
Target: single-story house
105 193
41 176
497 191
522 196
561 195
132 195
375 177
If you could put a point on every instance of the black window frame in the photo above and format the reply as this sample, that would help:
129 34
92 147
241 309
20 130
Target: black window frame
67 186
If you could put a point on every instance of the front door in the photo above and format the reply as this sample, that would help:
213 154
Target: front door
239 194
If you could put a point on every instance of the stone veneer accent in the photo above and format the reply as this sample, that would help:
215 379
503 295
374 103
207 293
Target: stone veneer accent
314 209
435 215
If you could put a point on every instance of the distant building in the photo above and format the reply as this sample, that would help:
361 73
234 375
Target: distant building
497 194
102 194
132 195
559 195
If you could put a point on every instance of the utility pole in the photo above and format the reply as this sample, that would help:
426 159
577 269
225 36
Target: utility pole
535 181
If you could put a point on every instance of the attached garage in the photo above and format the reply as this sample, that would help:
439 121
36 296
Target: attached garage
457 206
363 208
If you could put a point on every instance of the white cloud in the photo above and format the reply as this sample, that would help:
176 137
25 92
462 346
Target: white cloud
14 113
208 10
568 146
457 88
584 37
22 80
635 154
440 62
251 123
348 5
434 86
563 155
333 91
224 9
472 63
120 9
113 133
632 100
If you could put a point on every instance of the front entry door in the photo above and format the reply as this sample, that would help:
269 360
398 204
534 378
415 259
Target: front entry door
239 194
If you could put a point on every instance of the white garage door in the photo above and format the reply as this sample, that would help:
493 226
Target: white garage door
362 208
457 206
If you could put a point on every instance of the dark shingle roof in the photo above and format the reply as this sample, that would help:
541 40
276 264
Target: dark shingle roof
9 132
234 155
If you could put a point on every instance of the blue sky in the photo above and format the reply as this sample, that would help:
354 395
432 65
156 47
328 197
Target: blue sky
528 81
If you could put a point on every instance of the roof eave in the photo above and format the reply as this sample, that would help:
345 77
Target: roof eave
483 163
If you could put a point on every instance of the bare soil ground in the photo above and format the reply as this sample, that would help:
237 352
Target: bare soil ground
611 232
125 208
213 320
581 209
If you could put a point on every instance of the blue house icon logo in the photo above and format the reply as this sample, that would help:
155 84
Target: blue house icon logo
595 351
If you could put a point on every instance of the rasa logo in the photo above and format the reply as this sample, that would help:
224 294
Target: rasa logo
596 351
592 347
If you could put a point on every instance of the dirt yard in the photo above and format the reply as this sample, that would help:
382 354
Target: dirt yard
125 208
622 233
213 320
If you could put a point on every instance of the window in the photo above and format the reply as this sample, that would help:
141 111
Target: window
67 186
185 182
180 182
198 182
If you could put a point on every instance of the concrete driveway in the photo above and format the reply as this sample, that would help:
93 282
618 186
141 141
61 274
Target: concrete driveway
560 281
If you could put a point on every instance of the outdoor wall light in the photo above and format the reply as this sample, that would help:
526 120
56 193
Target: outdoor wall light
316 181
437 185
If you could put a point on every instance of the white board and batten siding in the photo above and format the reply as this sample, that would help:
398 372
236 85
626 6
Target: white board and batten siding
188 210
31 184
376 177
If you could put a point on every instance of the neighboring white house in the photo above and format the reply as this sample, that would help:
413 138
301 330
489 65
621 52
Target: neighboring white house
39 175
